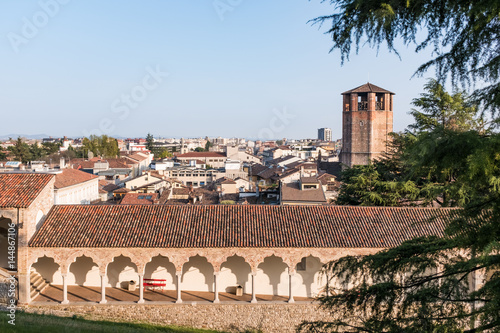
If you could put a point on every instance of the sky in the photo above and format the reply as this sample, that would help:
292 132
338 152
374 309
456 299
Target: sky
231 68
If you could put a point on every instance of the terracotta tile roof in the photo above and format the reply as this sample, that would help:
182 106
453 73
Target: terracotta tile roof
120 163
292 193
294 164
196 154
122 190
257 168
199 226
114 163
180 191
309 180
325 177
137 157
288 172
225 180
368 87
139 198
271 172
110 187
70 177
20 190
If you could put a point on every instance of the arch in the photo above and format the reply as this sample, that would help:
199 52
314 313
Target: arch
160 267
4 244
272 276
120 271
308 281
235 271
48 268
84 271
198 274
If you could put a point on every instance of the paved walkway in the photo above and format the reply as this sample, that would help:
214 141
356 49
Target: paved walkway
78 294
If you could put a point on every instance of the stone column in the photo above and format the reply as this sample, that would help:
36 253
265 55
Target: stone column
178 275
103 289
65 289
290 285
216 288
141 289
371 101
24 288
254 298
354 102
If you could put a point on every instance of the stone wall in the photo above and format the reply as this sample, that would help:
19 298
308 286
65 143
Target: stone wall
226 317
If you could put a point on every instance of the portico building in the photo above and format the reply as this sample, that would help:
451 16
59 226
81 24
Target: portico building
267 250
211 249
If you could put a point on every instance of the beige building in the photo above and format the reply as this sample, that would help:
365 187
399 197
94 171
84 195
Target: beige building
215 160
307 191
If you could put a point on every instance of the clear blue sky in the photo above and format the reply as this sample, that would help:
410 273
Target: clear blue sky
229 71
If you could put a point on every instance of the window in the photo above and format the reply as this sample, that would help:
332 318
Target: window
149 197
140 197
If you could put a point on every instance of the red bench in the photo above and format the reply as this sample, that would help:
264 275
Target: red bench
155 283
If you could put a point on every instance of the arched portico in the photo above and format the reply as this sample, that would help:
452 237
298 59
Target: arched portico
272 274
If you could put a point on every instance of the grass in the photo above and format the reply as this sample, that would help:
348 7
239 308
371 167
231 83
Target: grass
28 322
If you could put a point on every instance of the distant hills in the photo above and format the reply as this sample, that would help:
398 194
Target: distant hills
14 136
27 136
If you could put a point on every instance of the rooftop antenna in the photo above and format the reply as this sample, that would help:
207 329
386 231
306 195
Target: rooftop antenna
368 77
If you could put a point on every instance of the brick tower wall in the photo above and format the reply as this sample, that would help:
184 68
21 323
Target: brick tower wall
365 129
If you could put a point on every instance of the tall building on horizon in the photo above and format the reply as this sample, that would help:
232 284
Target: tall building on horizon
325 134
366 123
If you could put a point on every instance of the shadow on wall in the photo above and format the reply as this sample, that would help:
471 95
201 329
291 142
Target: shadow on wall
46 267
240 271
121 271
308 269
80 268
273 267
198 274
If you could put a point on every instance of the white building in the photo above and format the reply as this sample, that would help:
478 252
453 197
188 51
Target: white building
74 187
325 134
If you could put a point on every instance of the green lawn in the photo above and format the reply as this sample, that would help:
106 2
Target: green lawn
27 322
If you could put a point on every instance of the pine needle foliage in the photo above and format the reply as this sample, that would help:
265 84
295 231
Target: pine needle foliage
464 36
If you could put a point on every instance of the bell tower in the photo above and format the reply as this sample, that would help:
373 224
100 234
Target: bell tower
366 123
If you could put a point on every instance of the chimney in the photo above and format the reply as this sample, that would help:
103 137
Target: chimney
62 163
